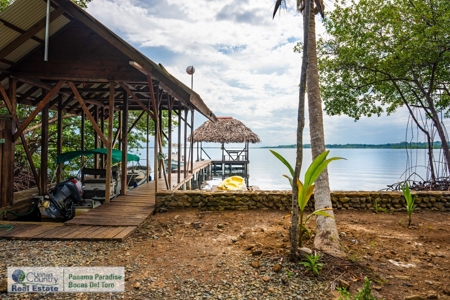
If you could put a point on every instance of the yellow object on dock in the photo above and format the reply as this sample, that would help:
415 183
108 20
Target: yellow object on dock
232 183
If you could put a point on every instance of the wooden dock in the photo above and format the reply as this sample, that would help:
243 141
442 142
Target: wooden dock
110 221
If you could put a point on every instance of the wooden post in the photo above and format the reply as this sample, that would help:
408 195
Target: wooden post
43 178
59 142
109 143
82 143
179 146
185 143
191 144
7 126
96 136
124 143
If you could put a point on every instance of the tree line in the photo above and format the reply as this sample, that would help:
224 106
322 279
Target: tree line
401 145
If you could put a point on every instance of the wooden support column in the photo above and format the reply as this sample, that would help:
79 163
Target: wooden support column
185 142
102 126
169 164
83 131
108 143
7 126
12 111
124 144
147 140
43 178
191 143
96 136
156 120
179 145
59 142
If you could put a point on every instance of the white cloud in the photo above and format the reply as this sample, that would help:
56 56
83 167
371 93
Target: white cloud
244 61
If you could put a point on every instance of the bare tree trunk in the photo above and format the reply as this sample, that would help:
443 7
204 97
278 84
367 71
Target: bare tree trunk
300 126
327 236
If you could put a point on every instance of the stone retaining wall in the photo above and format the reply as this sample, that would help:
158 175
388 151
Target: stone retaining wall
281 200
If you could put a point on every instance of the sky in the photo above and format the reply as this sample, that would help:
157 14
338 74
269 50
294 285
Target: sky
244 63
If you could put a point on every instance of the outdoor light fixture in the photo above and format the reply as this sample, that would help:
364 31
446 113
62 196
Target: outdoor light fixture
191 70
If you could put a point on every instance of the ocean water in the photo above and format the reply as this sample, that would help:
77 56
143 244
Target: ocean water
362 169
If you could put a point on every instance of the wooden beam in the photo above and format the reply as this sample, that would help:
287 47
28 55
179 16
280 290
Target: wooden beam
44 152
19 30
22 137
124 143
41 105
86 111
135 122
109 145
38 83
135 98
25 36
59 143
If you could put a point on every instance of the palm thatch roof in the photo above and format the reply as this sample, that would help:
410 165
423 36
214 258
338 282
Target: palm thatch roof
225 130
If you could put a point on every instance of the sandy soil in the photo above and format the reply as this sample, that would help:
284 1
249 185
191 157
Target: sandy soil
400 261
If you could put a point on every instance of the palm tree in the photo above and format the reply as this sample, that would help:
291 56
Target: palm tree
327 236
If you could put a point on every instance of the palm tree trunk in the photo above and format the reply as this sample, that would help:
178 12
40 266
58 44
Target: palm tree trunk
327 236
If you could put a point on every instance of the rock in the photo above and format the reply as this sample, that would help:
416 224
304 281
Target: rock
219 226
429 282
127 254
277 268
401 277
250 247
196 225
344 284
137 285
256 264
284 279
3 285
432 295
415 297
266 278
257 252
305 250
163 210
446 291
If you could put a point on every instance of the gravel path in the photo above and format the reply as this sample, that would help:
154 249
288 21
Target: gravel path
230 278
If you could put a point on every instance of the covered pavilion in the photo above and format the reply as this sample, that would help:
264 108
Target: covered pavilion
226 130
55 56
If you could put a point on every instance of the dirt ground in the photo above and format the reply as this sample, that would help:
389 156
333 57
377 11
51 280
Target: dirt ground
400 261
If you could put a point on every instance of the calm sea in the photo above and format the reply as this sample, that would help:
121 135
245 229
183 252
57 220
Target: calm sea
363 169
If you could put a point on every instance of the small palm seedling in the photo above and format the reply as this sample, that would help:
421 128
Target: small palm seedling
410 202
312 263
306 188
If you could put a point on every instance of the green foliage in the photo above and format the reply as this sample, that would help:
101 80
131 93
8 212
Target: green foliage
312 263
383 54
401 145
82 3
5 3
410 202
306 189
364 294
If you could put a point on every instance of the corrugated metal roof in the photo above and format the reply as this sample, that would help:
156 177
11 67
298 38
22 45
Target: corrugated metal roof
22 50
24 15
55 26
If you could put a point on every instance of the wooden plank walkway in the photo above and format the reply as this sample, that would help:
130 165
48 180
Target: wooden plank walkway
110 221
51 232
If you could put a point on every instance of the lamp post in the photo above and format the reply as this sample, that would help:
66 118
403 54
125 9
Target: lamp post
191 70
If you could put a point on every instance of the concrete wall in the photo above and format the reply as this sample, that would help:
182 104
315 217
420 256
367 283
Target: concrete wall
281 200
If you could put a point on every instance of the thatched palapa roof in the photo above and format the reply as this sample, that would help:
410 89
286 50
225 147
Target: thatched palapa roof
225 130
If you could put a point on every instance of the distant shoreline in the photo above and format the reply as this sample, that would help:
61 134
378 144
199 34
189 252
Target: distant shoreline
402 145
